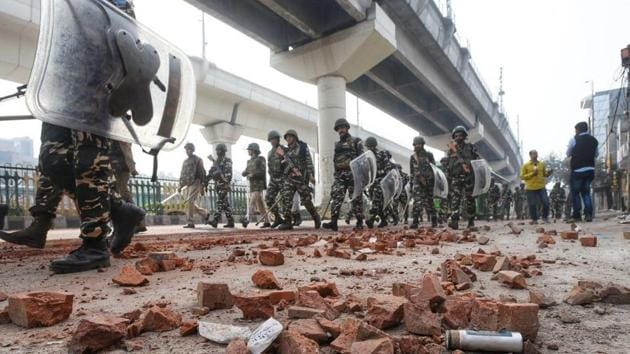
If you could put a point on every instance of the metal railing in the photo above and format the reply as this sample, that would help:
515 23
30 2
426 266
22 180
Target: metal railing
18 185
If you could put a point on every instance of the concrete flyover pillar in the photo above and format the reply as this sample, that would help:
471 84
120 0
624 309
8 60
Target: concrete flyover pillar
331 102
222 133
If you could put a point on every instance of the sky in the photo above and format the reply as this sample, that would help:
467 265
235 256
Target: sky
548 50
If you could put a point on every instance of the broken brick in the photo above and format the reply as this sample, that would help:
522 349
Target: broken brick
569 235
188 328
4 317
147 266
332 327
420 320
303 312
588 241
309 328
457 312
237 346
288 296
430 291
39 309
546 239
580 295
159 319
483 262
313 299
214 296
404 289
254 306
317 253
291 342
385 311
512 279
373 346
361 257
271 257
265 279
130 276
484 315
519 317
96 333
539 298
325 289
483 240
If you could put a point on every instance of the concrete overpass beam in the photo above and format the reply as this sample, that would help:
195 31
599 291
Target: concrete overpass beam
222 133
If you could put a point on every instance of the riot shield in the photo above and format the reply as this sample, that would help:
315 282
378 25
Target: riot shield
363 169
440 186
94 65
391 183
482 174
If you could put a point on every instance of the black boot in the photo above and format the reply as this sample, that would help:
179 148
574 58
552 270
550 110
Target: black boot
332 225
414 223
347 220
359 225
125 219
297 219
214 222
277 220
244 222
454 223
265 225
383 222
370 222
434 222
287 224
33 236
471 223
92 254
230 223
4 210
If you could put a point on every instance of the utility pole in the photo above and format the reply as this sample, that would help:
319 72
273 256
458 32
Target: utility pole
449 10
203 36
501 92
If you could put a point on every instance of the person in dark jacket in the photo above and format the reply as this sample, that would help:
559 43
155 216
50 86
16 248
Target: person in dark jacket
582 150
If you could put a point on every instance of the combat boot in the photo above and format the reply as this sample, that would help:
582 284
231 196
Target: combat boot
434 221
277 220
125 219
92 254
297 219
33 236
454 223
359 225
287 224
370 222
4 210
383 222
244 222
332 225
414 223
265 225
471 223
347 220
230 223
214 222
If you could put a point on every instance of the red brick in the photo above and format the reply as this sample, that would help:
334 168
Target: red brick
303 312
271 257
288 296
158 319
361 257
431 291
265 279
214 296
404 289
96 333
340 254
538 297
291 342
546 239
147 266
373 346
520 317
237 346
130 276
312 299
4 317
484 315
410 345
483 262
580 295
39 309
188 328
457 314
317 253
385 311
512 279
589 241
254 306
569 235
325 289
420 320
309 328
332 327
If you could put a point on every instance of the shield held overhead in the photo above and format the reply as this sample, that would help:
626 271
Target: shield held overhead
363 169
482 174
98 70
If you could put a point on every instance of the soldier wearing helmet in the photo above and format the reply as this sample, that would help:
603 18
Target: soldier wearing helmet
298 173
460 173
276 177
346 149
192 184
221 174
422 180
494 197
383 166
256 173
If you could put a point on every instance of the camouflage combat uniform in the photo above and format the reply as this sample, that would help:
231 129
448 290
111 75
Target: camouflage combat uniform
346 149
519 200
123 167
422 181
507 202
494 194
297 157
462 180
383 166
558 197
221 174
444 211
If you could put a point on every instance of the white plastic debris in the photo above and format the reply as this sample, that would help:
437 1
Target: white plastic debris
264 335
372 239
366 250
320 243
221 333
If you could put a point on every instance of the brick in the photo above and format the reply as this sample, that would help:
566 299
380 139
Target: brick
404 289
4 317
39 309
309 328
188 328
295 312
385 311
130 276
288 296
265 279
457 312
271 257
332 327
484 315
373 346
430 292
520 317
291 342
410 345
420 320
541 299
254 306
214 296
147 266
340 254
581 295
325 289
313 299
615 294
317 253
483 262
546 239
97 332
512 279
589 241
158 319
569 235
237 346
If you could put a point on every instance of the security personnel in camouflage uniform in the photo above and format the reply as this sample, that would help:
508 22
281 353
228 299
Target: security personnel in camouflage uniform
78 164
192 184
506 197
298 173
346 149
494 194
256 173
519 201
558 196
383 166
123 167
443 213
461 176
422 181
221 174
273 197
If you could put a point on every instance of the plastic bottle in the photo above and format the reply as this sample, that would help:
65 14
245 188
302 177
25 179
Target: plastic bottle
504 341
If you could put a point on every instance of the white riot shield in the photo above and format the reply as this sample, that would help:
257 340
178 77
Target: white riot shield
440 186
482 174
391 183
363 169
94 64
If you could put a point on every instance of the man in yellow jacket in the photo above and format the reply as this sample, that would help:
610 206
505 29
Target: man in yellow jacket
534 173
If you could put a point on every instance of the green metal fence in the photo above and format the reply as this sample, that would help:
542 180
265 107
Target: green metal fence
18 185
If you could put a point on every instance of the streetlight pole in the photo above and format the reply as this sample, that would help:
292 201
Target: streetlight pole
592 116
